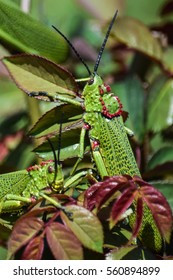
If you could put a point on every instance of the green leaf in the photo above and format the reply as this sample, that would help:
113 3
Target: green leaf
32 73
85 225
162 156
69 145
3 253
160 113
131 94
135 35
131 252
22 33
49 122
24 230
63 243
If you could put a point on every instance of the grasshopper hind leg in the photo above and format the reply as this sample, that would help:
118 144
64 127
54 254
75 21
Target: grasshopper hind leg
12 203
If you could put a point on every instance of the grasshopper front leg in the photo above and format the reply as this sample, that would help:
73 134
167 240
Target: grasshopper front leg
81 149
98 159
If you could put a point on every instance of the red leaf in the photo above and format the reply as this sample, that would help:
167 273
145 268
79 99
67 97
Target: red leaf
122 204
160 210
23 231
139 216
63 243
34 249
100 192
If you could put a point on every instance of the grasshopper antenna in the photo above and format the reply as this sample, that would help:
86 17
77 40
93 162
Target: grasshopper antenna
104 43
59 140
73 48
55 158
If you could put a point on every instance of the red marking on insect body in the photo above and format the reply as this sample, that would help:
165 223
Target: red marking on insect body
101 90
43 163
32 168
86 126
106 110
33 199
108 88
101 101
95 144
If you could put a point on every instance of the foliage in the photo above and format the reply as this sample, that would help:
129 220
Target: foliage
92 220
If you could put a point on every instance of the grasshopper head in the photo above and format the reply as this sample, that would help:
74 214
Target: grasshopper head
55 177
94 82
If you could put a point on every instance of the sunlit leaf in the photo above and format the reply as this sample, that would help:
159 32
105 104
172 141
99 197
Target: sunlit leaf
36 74
63 243
135 35
24 230
85 225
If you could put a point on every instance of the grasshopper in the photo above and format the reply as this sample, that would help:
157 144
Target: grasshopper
21 188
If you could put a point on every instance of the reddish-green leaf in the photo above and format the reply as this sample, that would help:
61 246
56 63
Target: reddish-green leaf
33 73
23 231
85 226
160 210
34 249
63 243
136 35
139 216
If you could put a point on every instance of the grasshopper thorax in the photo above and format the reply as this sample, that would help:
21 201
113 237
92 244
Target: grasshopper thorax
98 98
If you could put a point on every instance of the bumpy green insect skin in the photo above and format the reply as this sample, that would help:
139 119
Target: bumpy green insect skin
102 113
115 148
20 188
149 234
8 180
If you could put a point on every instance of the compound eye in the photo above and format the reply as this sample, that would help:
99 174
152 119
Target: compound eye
91 81
51 169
